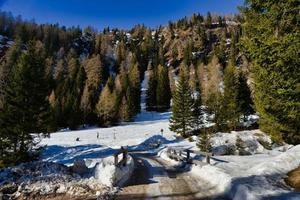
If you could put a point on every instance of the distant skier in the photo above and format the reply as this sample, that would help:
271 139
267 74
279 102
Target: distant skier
162 131
77 139
97 135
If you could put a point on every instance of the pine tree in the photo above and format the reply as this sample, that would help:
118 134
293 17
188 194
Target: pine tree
245 101
230 99
96 78
198 110
163 91
151 90
212 92
121 53
73 86
134 86
124 111
26 108
6 68
172 79
106 107
188 55
193 79
181 120
204 143
208 20
272 41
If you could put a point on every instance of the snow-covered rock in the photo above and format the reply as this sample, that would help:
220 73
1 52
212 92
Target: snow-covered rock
225 143
80 167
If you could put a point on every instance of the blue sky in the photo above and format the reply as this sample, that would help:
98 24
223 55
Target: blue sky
114 13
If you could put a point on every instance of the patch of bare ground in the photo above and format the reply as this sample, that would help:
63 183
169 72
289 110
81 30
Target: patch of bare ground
293 179
35 196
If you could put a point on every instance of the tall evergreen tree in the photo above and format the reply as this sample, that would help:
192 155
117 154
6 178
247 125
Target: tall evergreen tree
26 108
151 90
272 42
182 118
163 90
198 109
172 79
134 86
73 86
230 99
212 92
245 101
187 54
6 67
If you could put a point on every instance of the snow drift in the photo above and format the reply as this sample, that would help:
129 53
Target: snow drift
263 181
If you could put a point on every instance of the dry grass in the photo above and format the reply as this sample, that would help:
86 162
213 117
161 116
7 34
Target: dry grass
293 179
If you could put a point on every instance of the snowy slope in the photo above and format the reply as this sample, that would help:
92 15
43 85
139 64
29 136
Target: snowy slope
256 176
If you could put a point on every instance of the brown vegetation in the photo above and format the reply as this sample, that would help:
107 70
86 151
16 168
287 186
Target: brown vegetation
293 179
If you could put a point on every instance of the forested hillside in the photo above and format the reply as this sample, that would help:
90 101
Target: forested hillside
54 77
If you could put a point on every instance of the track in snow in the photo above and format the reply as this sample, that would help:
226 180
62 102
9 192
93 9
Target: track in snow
153 178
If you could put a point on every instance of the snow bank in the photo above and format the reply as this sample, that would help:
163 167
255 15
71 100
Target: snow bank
108 174
214 175
90 178
263 181
164 155
44 178
281 164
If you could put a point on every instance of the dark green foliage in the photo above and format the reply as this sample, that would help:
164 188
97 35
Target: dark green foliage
26 107
6 67
208 20
163 90
244 96
68 94
220 52
204 143
188 56
182 118
215 107
198 111
151 90
230 98
134 87
272 42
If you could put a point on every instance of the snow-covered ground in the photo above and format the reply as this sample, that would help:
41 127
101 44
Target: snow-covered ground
259 175
62 147
256 176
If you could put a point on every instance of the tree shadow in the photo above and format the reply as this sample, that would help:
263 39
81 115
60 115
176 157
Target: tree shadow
67 155
247 187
